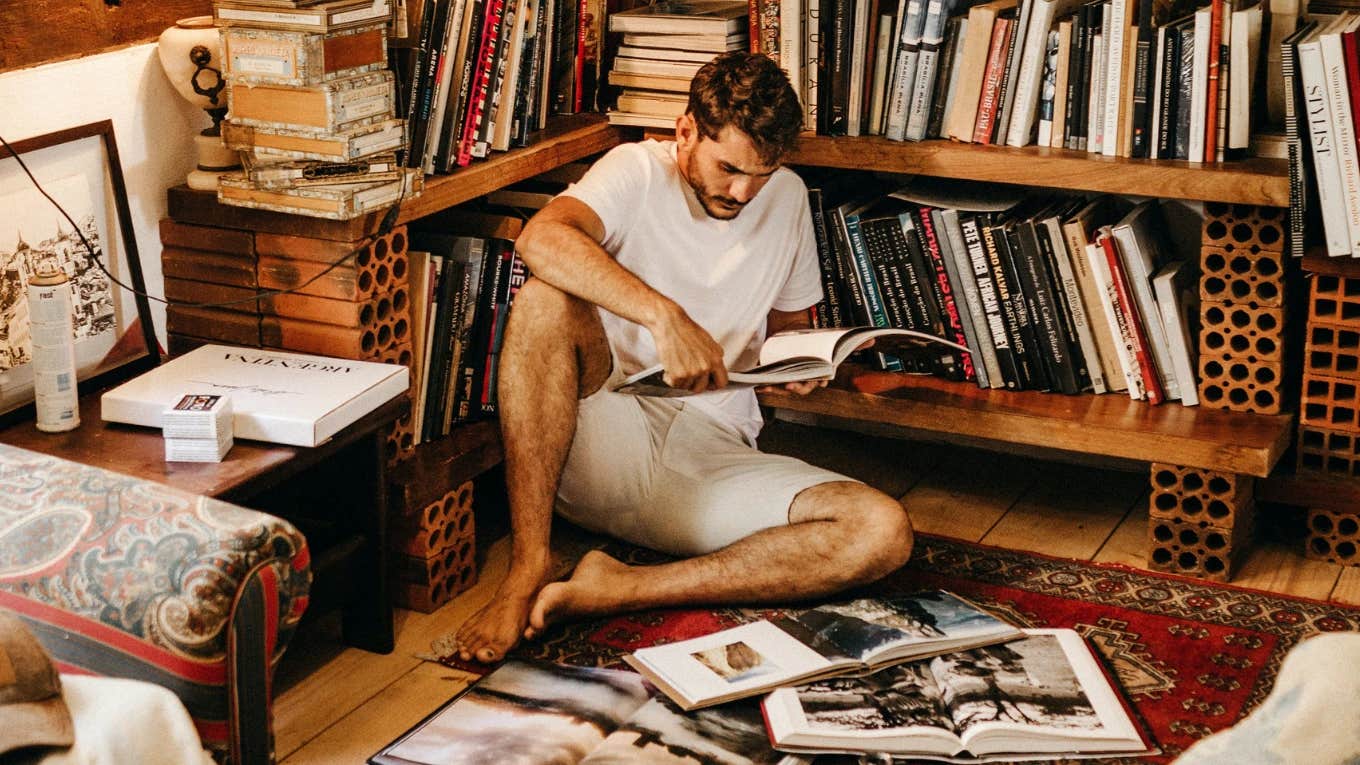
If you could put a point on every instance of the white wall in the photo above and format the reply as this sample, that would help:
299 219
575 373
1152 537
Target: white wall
154 128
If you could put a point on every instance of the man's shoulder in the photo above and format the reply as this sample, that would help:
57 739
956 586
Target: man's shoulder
650 151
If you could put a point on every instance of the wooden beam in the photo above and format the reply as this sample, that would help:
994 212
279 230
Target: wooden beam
36 32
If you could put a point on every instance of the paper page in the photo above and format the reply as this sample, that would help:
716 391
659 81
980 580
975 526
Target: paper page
661 732
732 662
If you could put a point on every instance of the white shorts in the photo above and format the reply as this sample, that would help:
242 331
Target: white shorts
656 473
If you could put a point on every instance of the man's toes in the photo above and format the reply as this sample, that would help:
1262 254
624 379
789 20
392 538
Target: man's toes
488 655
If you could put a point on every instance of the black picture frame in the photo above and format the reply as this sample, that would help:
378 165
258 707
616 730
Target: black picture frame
79 167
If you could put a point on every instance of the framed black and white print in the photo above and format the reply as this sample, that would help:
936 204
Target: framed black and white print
79 169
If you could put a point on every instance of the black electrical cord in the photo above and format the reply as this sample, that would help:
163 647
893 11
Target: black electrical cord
389 222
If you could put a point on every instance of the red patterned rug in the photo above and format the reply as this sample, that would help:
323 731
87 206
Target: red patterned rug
1192 656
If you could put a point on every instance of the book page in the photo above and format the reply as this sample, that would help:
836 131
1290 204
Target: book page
1031 694
733 662
869 628
523 712
659 732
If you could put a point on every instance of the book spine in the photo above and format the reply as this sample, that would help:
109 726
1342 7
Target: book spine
480 92
1326 165
812 62
923 90
1114 317
993 239
992 77
904 73
1054 245
1026 313
495 267
500 59
888 278
1144 69
1151 383
1015 46
993 303
946 295
1215 58
913 261
517 274
864 275
976 330
1168 67
832 313
946 78
453 339
1049 98
1343 132
1050 329
1113 75
838 99
1299 150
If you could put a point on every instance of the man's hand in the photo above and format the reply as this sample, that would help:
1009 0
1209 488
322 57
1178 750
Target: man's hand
693 360
801 388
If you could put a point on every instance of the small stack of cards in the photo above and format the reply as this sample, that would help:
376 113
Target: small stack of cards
197 428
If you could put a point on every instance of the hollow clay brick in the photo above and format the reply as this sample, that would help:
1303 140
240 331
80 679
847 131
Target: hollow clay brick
1244 227
1240 385
1198 495
1333 537
1333 452
1332 350
1192 549
427 531
1241 276
1242 331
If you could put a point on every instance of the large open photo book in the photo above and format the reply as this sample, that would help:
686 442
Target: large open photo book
850 637
535 712
1041 697
793 356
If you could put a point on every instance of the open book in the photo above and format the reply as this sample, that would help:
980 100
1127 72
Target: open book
1041 697
794 356
529 712
857 636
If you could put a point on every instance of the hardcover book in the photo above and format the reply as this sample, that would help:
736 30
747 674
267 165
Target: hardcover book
794 356
322 17
291 57
848 637
534 712
281 143
277 396
332 106
334 202
1043 697
683 17
295 174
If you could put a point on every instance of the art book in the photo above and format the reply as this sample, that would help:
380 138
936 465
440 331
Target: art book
850 637
530 712
1042 697
794 356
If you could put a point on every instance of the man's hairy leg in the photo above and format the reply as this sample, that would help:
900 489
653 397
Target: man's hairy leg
554 353
840 534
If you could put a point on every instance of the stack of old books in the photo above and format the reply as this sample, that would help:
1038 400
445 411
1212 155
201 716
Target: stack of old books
664 45
311 107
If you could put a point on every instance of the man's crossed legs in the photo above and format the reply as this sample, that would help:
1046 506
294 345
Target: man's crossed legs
836 533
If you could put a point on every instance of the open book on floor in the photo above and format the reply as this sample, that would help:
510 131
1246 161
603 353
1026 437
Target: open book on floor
531 712
1042 697
794 356
850 637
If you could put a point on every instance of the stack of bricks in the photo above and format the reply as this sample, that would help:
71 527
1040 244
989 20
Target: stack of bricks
1200 521
1242 306
433 545
359 309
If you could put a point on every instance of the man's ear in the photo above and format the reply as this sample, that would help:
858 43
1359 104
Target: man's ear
686 131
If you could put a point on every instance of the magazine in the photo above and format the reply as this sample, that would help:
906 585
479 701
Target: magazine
534 712
848 637
794 356
1040 697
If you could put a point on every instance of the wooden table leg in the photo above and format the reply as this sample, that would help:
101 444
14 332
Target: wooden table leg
368 622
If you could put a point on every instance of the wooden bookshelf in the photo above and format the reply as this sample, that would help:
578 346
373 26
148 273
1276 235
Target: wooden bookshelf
1250 181
566 139
1111 425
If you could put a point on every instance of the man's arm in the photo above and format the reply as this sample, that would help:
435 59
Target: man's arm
561 246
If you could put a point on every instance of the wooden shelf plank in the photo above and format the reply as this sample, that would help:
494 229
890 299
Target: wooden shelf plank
565 140
465 453
1251 181
1111 425
1303 488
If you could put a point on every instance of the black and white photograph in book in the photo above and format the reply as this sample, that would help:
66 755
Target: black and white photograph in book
1024 682
860 627
735 662
896 697
660 734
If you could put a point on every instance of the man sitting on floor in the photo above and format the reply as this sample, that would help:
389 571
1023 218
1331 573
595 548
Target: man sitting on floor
684 253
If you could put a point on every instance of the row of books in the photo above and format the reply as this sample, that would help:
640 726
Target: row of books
462 287
1049 293
923 675
1322 122
311 108
485 75
1115 77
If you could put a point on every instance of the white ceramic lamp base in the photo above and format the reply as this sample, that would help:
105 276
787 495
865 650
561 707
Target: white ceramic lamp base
214 159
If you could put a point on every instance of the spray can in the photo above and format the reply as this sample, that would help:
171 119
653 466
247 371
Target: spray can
54 351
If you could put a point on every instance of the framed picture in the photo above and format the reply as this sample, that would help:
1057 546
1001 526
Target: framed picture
93 244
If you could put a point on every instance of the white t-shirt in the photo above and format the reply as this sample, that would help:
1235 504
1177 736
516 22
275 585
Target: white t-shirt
726 274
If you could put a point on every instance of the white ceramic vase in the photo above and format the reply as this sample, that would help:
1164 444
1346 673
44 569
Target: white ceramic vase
191 55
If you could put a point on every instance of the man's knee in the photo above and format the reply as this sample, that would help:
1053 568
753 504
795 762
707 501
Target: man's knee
539 300
873 529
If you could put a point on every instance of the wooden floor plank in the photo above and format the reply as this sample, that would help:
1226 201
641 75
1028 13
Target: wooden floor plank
967 493
1128 545
399 705
1280 567
1069 511
1347 589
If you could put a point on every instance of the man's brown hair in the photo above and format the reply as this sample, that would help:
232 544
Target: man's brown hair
749 92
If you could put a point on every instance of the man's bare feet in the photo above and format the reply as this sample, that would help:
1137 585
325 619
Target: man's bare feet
488 635
597 586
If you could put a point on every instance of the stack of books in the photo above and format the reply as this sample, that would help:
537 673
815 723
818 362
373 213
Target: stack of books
198 428
664 45
311 107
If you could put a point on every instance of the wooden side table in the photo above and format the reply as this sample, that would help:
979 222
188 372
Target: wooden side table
334 493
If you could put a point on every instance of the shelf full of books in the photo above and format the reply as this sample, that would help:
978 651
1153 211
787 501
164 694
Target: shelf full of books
1117 78
1053 295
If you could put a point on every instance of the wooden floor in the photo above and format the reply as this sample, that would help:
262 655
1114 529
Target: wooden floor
340 705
